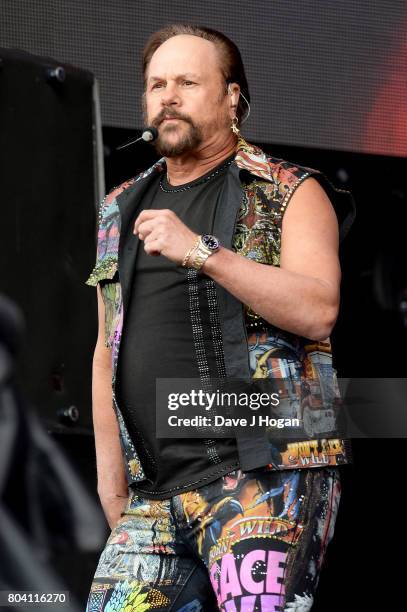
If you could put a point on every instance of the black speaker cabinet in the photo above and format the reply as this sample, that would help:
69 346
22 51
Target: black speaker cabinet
49 187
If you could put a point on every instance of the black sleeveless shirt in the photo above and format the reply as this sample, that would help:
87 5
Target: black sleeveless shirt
157 342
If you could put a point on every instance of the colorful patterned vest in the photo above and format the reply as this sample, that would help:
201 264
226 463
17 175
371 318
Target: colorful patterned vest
249 222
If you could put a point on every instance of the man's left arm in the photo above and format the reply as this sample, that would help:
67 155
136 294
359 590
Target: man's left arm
302 295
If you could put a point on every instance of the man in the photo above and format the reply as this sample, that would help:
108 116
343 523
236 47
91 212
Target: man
205 272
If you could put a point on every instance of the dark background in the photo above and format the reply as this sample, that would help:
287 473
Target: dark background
323 73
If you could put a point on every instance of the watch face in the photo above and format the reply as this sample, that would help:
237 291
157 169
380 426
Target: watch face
211 242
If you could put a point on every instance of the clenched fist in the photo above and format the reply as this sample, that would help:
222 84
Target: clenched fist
164 233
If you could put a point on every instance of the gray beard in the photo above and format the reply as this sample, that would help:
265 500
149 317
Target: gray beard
188 142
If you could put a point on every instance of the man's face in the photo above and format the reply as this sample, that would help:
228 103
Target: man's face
185 95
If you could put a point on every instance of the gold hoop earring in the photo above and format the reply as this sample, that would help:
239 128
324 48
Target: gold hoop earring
234 127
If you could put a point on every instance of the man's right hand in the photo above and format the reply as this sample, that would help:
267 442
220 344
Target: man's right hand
112 486
113 506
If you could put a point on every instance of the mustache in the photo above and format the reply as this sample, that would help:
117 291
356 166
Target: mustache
164 113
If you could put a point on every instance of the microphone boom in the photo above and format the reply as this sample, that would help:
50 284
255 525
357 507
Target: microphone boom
149 135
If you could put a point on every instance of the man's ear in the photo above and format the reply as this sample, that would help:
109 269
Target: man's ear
234 92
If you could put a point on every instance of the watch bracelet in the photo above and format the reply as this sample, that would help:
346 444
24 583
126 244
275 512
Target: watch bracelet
199 258
189 253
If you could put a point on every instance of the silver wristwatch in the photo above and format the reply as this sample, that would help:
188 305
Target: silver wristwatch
207 245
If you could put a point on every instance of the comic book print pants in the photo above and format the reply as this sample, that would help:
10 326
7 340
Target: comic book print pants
252 541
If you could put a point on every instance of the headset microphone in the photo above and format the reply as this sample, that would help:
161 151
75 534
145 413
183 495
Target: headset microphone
149 135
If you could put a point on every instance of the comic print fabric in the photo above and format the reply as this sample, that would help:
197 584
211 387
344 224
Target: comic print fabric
268 184
247 542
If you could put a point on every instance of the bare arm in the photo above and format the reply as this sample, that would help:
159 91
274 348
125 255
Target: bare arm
302 295
112 483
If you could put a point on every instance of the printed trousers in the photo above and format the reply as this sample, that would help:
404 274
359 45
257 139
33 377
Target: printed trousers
249 541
